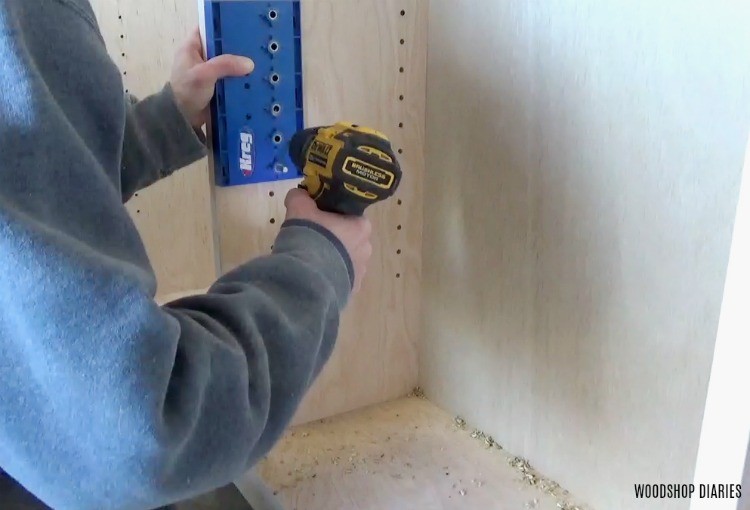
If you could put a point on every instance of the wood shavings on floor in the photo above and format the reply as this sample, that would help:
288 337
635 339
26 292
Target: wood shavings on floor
528 474
417 392
406 454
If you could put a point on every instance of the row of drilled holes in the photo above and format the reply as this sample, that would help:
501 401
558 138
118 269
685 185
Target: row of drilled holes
125 73
122 38
401 98
271 194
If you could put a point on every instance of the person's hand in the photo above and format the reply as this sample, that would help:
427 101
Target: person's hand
354 233
193 78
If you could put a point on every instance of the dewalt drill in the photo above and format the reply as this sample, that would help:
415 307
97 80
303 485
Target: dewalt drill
346 167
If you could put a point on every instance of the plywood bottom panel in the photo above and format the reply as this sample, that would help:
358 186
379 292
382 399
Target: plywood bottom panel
404 455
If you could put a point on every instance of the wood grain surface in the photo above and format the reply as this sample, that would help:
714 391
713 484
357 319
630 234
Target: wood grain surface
371 71
352 71
174 215
405 455
584 166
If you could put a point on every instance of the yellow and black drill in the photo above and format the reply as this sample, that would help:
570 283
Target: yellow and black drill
346 167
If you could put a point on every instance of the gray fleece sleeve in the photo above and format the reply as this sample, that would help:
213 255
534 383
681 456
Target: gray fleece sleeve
108 400
158 141
271 323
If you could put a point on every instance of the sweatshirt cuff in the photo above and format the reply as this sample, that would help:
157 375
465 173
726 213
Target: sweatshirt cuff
322 248
188 144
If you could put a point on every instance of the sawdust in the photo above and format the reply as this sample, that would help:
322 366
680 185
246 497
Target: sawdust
568 506
417 392
549 486
527 473
350 461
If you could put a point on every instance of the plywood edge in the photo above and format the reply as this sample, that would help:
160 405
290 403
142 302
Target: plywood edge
216 228
201 6
726 421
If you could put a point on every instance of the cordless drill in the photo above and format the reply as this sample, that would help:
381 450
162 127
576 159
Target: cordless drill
346 167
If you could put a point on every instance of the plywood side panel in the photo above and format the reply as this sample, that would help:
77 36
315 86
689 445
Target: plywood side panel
584 164
356 68
174 215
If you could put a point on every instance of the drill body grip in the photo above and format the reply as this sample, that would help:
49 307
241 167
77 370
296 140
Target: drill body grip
347 168
330 202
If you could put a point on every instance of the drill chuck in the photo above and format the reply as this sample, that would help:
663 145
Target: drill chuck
299 145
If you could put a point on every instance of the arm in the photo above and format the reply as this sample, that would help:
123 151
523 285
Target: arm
126 405
158 141
108 400
163 132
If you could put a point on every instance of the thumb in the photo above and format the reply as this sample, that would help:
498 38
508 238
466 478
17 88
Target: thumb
224 66
298 203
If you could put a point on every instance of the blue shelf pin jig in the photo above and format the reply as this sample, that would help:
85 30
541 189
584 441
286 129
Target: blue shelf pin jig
254 117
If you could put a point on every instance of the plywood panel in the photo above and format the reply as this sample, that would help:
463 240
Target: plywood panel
726 422
584 163
353 62
405 455
173 216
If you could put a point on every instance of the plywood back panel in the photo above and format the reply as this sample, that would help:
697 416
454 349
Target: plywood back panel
584 163
173 216
364 62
